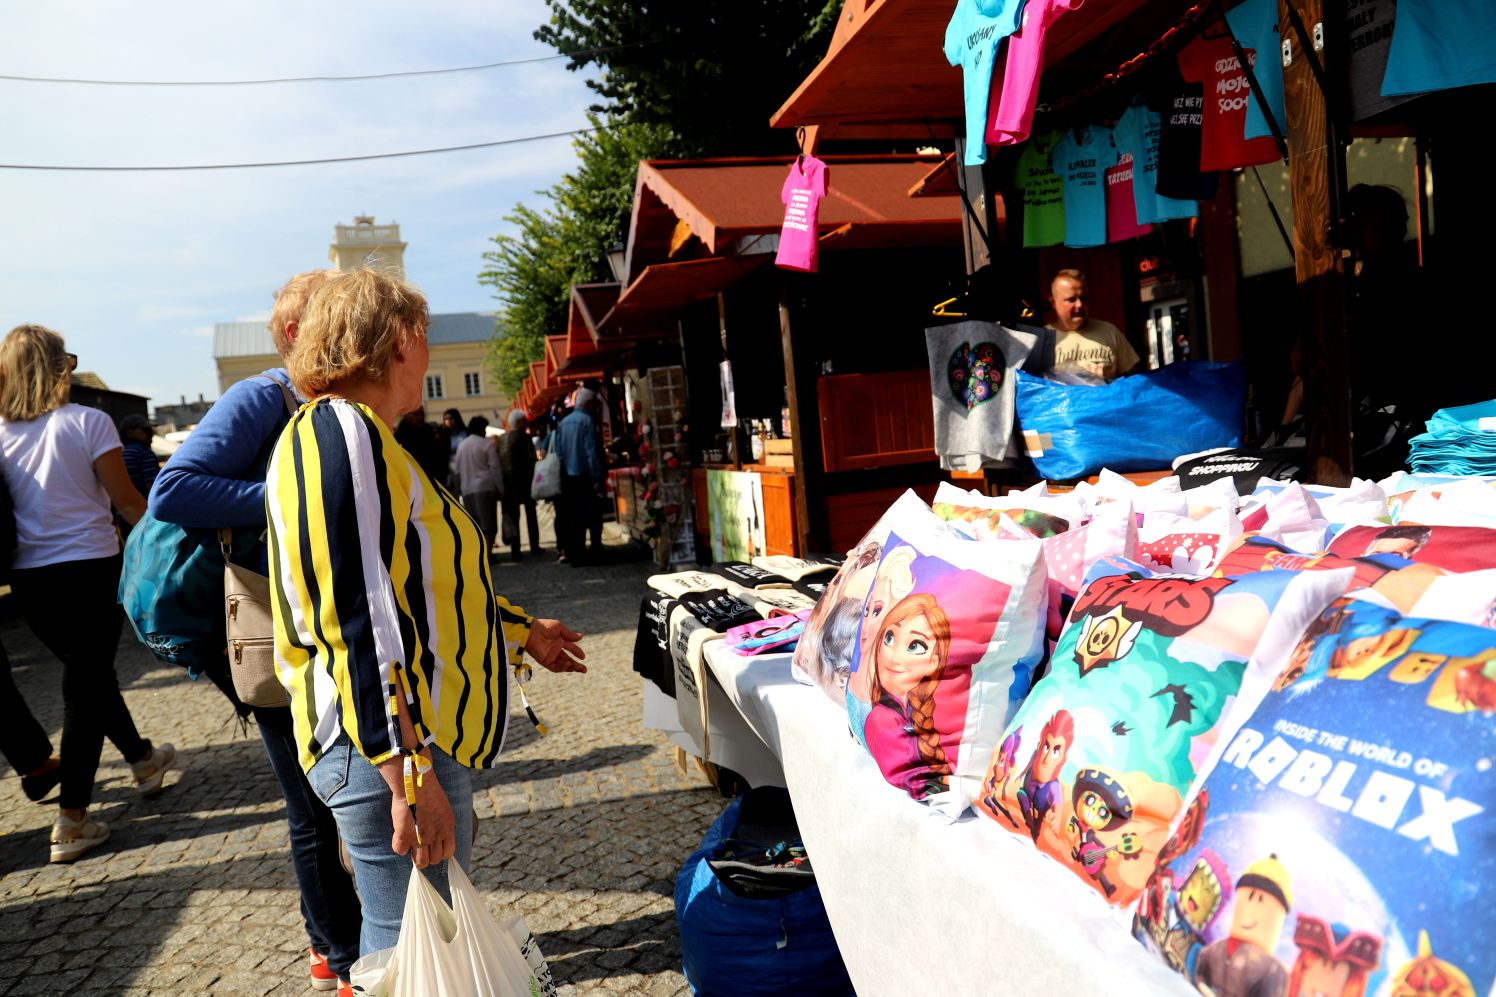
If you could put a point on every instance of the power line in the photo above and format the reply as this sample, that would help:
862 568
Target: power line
317 79
295 162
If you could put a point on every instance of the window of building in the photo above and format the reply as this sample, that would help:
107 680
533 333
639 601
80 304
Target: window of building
471 383
434 386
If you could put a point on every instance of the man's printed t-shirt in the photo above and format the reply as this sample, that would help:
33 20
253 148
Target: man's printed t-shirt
1079 158
1099 343
975 30
1043 193
1440 44
1014 116
1121 213
1181 109
1368 33
1255 24
1211 62
803 189
1137 133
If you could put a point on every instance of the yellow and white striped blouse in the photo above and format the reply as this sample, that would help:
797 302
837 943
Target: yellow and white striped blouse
374 571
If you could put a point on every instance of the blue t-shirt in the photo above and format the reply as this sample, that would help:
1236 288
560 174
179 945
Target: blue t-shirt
971 39
1137 132
1079 158
1439 44
1255 25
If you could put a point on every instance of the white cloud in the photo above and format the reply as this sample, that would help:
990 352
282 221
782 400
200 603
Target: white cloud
197 332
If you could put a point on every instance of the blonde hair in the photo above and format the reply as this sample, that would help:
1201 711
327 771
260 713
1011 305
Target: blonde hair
352 327
34 376
290 302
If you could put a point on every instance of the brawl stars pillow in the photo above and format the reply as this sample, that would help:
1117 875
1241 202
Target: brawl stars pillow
1345 843
950 634
824 655
1096 763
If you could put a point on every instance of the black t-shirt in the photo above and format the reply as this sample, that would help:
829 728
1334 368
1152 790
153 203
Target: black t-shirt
652 641
718 610
748 575
1180 106
1368 28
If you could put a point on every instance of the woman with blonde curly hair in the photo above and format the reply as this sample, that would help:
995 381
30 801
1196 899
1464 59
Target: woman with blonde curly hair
64 467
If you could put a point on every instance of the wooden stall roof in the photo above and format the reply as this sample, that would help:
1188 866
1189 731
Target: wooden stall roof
589 303
685 208
538 375
555 354
886 61
667 288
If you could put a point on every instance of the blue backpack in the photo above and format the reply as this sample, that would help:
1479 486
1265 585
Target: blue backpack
171 586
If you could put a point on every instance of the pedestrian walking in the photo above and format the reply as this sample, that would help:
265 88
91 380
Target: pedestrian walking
63 467
135 433
390 638
479 478
579 511
517 466
216 479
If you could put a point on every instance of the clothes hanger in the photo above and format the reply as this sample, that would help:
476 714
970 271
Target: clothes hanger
800 144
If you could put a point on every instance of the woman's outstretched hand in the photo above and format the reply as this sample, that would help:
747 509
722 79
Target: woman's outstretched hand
555 646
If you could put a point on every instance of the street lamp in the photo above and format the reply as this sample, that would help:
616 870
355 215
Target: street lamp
617 261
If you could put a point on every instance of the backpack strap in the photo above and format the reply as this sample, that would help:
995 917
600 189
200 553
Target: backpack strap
286 395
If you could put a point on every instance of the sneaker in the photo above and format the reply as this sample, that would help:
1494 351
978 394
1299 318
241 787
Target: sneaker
72 839
345 989
38 784
323 978
150 772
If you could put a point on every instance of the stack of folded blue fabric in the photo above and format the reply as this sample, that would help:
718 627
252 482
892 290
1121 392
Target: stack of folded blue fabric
1458 441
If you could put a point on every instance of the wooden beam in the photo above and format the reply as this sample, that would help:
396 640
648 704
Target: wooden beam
804 435
1316 170
1222 271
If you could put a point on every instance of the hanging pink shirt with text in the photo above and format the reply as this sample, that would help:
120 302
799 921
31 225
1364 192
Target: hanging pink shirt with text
802 192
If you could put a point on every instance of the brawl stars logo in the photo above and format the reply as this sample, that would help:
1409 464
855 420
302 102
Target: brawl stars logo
1116 609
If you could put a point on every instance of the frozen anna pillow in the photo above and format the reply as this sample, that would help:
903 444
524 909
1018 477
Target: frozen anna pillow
823 656
1096 763
1345 843
950 634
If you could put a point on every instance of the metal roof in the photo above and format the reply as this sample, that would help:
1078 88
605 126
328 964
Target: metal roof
252 339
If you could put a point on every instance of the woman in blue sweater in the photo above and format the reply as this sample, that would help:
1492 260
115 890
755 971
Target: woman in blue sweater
217 479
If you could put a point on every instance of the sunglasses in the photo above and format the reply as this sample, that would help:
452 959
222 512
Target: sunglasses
72 359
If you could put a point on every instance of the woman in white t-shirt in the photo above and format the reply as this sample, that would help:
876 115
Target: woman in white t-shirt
64 467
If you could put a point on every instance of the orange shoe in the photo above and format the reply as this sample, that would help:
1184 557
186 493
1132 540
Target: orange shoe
323 978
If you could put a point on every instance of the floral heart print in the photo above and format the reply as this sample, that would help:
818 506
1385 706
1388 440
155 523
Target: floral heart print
976 372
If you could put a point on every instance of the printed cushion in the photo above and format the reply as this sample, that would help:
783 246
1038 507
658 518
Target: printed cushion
1096 763
1345 843
1181 544
823 657
1453 548
951 632
978 515
1290 515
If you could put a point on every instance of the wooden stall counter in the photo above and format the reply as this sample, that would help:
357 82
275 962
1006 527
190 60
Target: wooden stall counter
778 525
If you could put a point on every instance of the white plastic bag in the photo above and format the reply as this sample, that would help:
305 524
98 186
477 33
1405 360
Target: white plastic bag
547 482
457 951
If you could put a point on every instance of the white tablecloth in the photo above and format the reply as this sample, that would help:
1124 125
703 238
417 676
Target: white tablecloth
921 905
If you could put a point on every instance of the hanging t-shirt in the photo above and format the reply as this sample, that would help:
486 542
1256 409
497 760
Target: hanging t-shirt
803 189
1015 111
1043 193
1137 133
1079 158
1440 44
972 385
1181 109
1209 60
1255 24
971 39
1121 212
1368 32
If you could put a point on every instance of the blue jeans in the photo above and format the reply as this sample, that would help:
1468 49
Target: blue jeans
360 801
329 905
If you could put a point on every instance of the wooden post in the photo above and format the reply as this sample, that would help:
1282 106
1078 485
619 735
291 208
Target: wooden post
804 421
1316 170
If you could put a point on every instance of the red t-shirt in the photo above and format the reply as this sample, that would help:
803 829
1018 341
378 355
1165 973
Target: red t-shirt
1211 63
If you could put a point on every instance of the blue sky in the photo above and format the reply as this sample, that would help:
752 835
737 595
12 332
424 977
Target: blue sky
134 268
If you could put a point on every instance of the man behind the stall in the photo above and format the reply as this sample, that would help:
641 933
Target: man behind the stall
1084 345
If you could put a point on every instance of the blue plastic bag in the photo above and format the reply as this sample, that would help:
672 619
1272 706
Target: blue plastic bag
1138 423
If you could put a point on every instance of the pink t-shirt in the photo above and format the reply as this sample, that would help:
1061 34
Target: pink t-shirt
802 192
1121 212
1009 124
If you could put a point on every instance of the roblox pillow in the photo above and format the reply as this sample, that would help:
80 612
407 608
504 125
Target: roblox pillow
1345 843
823 657
1096 763
951 632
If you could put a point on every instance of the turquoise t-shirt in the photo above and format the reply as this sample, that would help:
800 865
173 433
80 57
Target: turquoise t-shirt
1255 25
1439 44
1137 132
971 39
1079 158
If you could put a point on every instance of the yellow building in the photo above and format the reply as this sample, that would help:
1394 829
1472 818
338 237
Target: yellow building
456 378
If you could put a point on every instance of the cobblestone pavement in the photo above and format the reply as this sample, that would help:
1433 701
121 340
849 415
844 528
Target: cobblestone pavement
582 832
